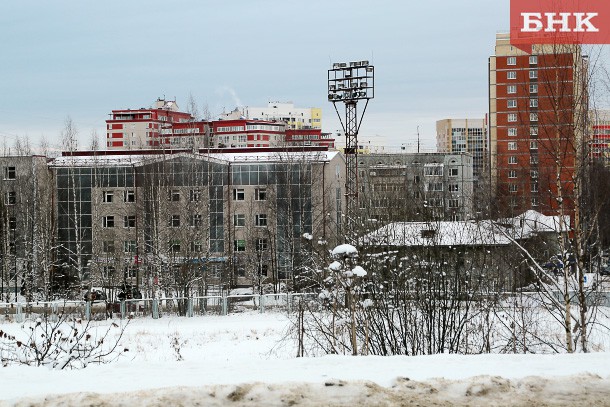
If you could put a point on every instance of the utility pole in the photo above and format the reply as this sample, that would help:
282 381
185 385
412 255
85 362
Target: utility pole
350 83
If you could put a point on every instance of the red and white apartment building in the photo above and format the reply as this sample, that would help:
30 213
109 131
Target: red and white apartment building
537 106
164 126
160 126
600 135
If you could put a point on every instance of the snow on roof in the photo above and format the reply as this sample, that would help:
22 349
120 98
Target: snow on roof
99 160
141 159
441 233
532 222
277 156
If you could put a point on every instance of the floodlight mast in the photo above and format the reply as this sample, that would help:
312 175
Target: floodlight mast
350 82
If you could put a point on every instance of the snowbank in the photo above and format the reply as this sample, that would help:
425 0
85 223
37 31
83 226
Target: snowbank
242 358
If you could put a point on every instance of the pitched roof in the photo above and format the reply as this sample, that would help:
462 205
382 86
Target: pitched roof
441 233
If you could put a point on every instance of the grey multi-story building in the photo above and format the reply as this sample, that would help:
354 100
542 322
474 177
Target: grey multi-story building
465 136
192 220
26 237
415 187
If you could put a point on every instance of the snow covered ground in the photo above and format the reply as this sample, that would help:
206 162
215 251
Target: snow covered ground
242 360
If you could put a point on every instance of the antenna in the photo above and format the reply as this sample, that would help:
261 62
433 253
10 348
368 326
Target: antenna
417 139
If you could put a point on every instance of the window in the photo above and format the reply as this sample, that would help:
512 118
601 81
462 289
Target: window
195 195
534 201
174 246
196 246
107 196
534 174
511 61
512 174
239 219
10 198
174 195
533 159
533 88
533 131
512 132
533 117
534 74
428 233
108 246
454 203
108 271
512 145
239 245
12 223
129 221
239 194
454 188
511 75
433 169
453 172
533 59
534 187
512 117
511 89
174 221
10 173
533 102
435 202
512 159
512 103
196 220
108 221
262 245
263 270
130 272
512 188
435 187
261 219
130 196
533 145
129 246
260 194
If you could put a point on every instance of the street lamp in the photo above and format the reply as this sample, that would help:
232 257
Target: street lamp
350 82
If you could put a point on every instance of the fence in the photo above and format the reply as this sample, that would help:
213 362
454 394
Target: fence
153 307
204 305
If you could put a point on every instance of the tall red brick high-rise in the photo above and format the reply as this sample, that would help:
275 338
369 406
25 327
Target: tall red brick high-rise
537 120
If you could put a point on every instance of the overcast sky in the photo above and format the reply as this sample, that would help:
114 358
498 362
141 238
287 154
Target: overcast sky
82 59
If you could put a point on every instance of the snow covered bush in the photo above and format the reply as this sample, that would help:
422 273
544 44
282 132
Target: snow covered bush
66 343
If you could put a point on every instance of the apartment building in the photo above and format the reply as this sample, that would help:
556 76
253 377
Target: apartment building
161 126
415 187
243 133
164 126
164 220
464 136
286 112
537 110
26 235
599 143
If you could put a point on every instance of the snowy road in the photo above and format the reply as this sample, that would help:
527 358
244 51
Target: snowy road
582 390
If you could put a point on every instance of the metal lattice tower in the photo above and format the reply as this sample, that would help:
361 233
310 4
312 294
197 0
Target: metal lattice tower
349 83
